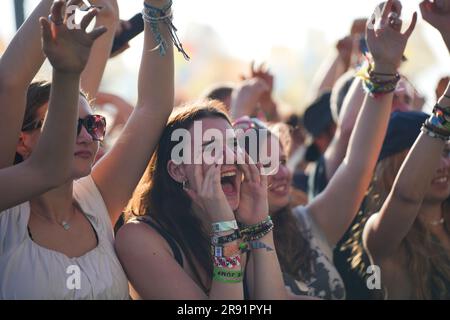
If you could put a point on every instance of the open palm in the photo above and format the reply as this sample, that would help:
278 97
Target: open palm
68 47
385 41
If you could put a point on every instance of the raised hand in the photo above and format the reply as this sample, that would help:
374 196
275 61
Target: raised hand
207 193
253 203
246 97
437 13
384 38
68 46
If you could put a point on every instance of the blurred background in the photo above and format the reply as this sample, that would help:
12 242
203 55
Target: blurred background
293 38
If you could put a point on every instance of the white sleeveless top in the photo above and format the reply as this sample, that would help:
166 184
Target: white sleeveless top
325 281
29 271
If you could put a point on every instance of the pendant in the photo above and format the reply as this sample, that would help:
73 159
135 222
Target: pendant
65 225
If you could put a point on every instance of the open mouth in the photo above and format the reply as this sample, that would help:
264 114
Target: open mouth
229 181
280 189
440 180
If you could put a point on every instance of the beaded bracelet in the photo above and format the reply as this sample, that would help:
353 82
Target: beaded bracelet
153 15
251 228
376 86
258 235
256 232
439 119
429 132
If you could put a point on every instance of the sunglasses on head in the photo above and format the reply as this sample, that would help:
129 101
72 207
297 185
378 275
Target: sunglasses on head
246 123
94 124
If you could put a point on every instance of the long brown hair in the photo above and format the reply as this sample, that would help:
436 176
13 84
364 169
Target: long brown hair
428 263
163 199
293 251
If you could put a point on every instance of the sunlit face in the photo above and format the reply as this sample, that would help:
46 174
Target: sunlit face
85 147
231 177
440 185
279 182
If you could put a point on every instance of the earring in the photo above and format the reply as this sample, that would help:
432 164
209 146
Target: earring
185 184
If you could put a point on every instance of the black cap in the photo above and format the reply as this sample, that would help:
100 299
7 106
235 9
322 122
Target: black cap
317 117
402 132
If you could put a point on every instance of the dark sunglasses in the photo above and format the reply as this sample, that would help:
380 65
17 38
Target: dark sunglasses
94 124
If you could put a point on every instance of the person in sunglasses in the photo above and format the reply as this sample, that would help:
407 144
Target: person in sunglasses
58 242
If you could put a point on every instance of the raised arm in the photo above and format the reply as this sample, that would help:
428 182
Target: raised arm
437 14
50 163
335 153
16 73
334 67
385 231
130 155
92 75
336 207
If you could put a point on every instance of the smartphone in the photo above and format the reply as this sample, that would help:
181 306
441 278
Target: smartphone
137 26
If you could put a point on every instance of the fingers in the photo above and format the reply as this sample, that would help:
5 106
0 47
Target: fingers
397 7
387 9
87 19
70 5
245 170
56 12
46 30
411 26
370 28
395 22
97 32
254 172
263 177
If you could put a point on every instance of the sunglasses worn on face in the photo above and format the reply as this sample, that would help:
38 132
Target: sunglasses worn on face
94 124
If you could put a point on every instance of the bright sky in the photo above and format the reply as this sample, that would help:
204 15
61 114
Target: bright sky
249 29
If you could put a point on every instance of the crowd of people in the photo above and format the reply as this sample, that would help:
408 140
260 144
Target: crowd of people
349 200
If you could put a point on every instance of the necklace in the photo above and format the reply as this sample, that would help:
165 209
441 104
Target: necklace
65 223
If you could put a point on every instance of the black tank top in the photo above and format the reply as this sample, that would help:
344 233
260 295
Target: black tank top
176 250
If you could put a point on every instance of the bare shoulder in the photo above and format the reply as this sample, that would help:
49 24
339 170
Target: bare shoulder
138 235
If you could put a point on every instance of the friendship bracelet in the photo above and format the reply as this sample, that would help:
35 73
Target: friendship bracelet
153 15
224 226
248 228
226 280
259 235
376 86
438 120
227 262
434 134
